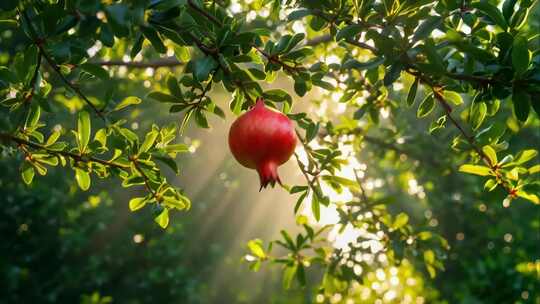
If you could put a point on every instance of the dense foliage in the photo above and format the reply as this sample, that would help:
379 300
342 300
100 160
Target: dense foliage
418 129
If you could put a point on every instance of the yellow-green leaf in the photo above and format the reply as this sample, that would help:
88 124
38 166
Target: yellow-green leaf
429 257
149 141
83 128
453 97
83 179
426 106
132 100
528 196
27 173
288 275
163 218
475 169
137 203
53 138
525 156
255 246
534 169
491 154
478 114
401 220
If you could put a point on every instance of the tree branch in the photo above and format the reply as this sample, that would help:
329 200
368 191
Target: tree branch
76 157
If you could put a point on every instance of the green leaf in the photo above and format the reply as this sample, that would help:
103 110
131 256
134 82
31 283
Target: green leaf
162 97
33 116
296 189
174 87
426 106
257 74
203 67
401 220
297 38
137 203
508 9
491 154
200 119
27 173
174 202
237 101
53 138
185 120
349 31
177 148
182 53
300 87
436 62
299 201
154 38
429 257
256 248
6 75
298 14
132 100
288 275
83 130
83 179
424 30
411 96
136 46
392 74
355 64
475 169
163 218
492 12
95 70
453 97
168 161
490 184
149 141
478 114
316 207
521 56
278 95
312 131
522 104
525 156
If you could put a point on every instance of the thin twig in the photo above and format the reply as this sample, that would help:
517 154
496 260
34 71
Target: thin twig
275 59
34 77
145 177
204 13
40 42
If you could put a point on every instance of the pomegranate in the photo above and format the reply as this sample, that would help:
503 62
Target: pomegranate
262 139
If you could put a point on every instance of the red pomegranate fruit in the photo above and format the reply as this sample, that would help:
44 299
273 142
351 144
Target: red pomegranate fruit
262 139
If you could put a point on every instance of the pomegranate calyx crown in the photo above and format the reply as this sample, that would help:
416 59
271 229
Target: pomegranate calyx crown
268 174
